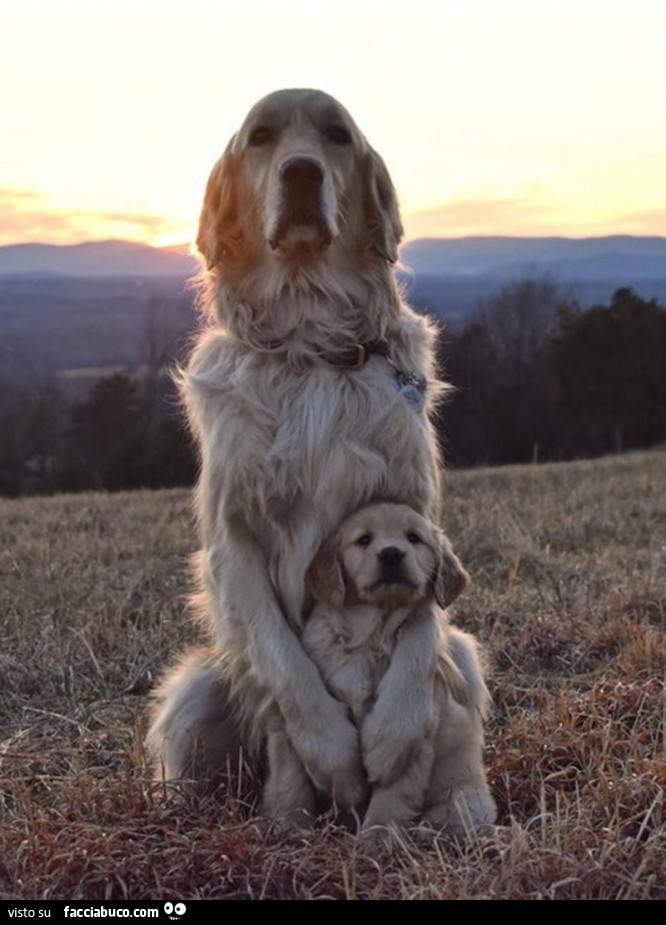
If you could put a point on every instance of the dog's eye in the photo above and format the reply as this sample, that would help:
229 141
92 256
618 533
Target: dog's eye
364 540
261 135
338 134
414 538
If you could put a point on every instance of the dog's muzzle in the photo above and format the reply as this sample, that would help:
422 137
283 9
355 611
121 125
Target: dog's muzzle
391 569
302 224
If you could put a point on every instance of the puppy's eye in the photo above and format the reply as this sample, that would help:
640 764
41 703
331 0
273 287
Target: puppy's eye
364 540
414 538
338 134
261 135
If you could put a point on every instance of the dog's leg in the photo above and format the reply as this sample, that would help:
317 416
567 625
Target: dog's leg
194 735
316 723
236 431
458 796
289 796
400 803
398 723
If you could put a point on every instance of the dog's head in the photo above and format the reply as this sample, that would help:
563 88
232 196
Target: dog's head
386 555
297 181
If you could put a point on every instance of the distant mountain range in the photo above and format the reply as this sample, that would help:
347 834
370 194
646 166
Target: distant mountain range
448 277
584 259
566 258
102 304
95 258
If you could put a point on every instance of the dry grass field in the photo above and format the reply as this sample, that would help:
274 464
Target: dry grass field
569 598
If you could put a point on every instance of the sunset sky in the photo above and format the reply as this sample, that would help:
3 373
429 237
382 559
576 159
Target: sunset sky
493 117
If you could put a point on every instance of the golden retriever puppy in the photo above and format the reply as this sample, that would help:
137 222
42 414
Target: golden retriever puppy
369 580
309 392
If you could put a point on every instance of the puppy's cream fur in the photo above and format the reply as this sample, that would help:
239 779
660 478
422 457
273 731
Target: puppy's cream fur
370 579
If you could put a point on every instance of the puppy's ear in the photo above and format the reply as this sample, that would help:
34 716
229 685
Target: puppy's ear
450 578
219 227
324 578
382 216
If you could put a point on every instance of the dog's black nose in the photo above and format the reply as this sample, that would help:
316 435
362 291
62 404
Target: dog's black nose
391 556
300 170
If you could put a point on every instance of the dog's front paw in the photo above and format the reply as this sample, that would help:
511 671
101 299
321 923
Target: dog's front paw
390 739
378 840
330 749
464 811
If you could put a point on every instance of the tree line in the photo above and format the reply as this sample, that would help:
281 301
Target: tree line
535 378
538 378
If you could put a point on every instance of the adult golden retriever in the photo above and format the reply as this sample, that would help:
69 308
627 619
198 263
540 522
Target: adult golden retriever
309 392
368 579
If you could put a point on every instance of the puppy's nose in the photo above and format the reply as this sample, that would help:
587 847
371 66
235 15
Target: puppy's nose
391 556
301 170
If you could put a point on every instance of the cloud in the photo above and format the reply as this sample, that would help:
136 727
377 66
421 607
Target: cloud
482 217
11 196
156 223
28 216
529 217
652 222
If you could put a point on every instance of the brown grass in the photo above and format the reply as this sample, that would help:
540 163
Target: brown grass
569 597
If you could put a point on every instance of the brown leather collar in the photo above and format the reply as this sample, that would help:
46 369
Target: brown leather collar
356 356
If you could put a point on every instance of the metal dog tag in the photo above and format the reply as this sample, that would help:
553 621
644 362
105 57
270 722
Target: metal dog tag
412 388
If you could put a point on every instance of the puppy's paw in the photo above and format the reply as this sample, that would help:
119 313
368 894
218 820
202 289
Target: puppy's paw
330 749
466 811
378 840
296 820
390 739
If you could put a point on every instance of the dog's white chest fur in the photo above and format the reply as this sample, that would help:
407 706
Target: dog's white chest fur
298 450
338 437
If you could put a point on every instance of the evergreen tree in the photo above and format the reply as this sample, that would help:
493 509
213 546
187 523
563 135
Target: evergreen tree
609 365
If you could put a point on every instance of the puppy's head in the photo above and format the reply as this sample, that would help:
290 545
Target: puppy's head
386 555
297 180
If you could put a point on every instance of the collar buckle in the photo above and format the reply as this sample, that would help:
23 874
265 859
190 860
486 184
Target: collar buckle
361 356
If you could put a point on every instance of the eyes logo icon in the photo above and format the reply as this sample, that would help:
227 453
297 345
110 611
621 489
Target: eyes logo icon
175 912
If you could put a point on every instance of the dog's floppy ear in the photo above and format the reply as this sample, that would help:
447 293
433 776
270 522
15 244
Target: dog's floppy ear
324 578
219 226
450 578
382 216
